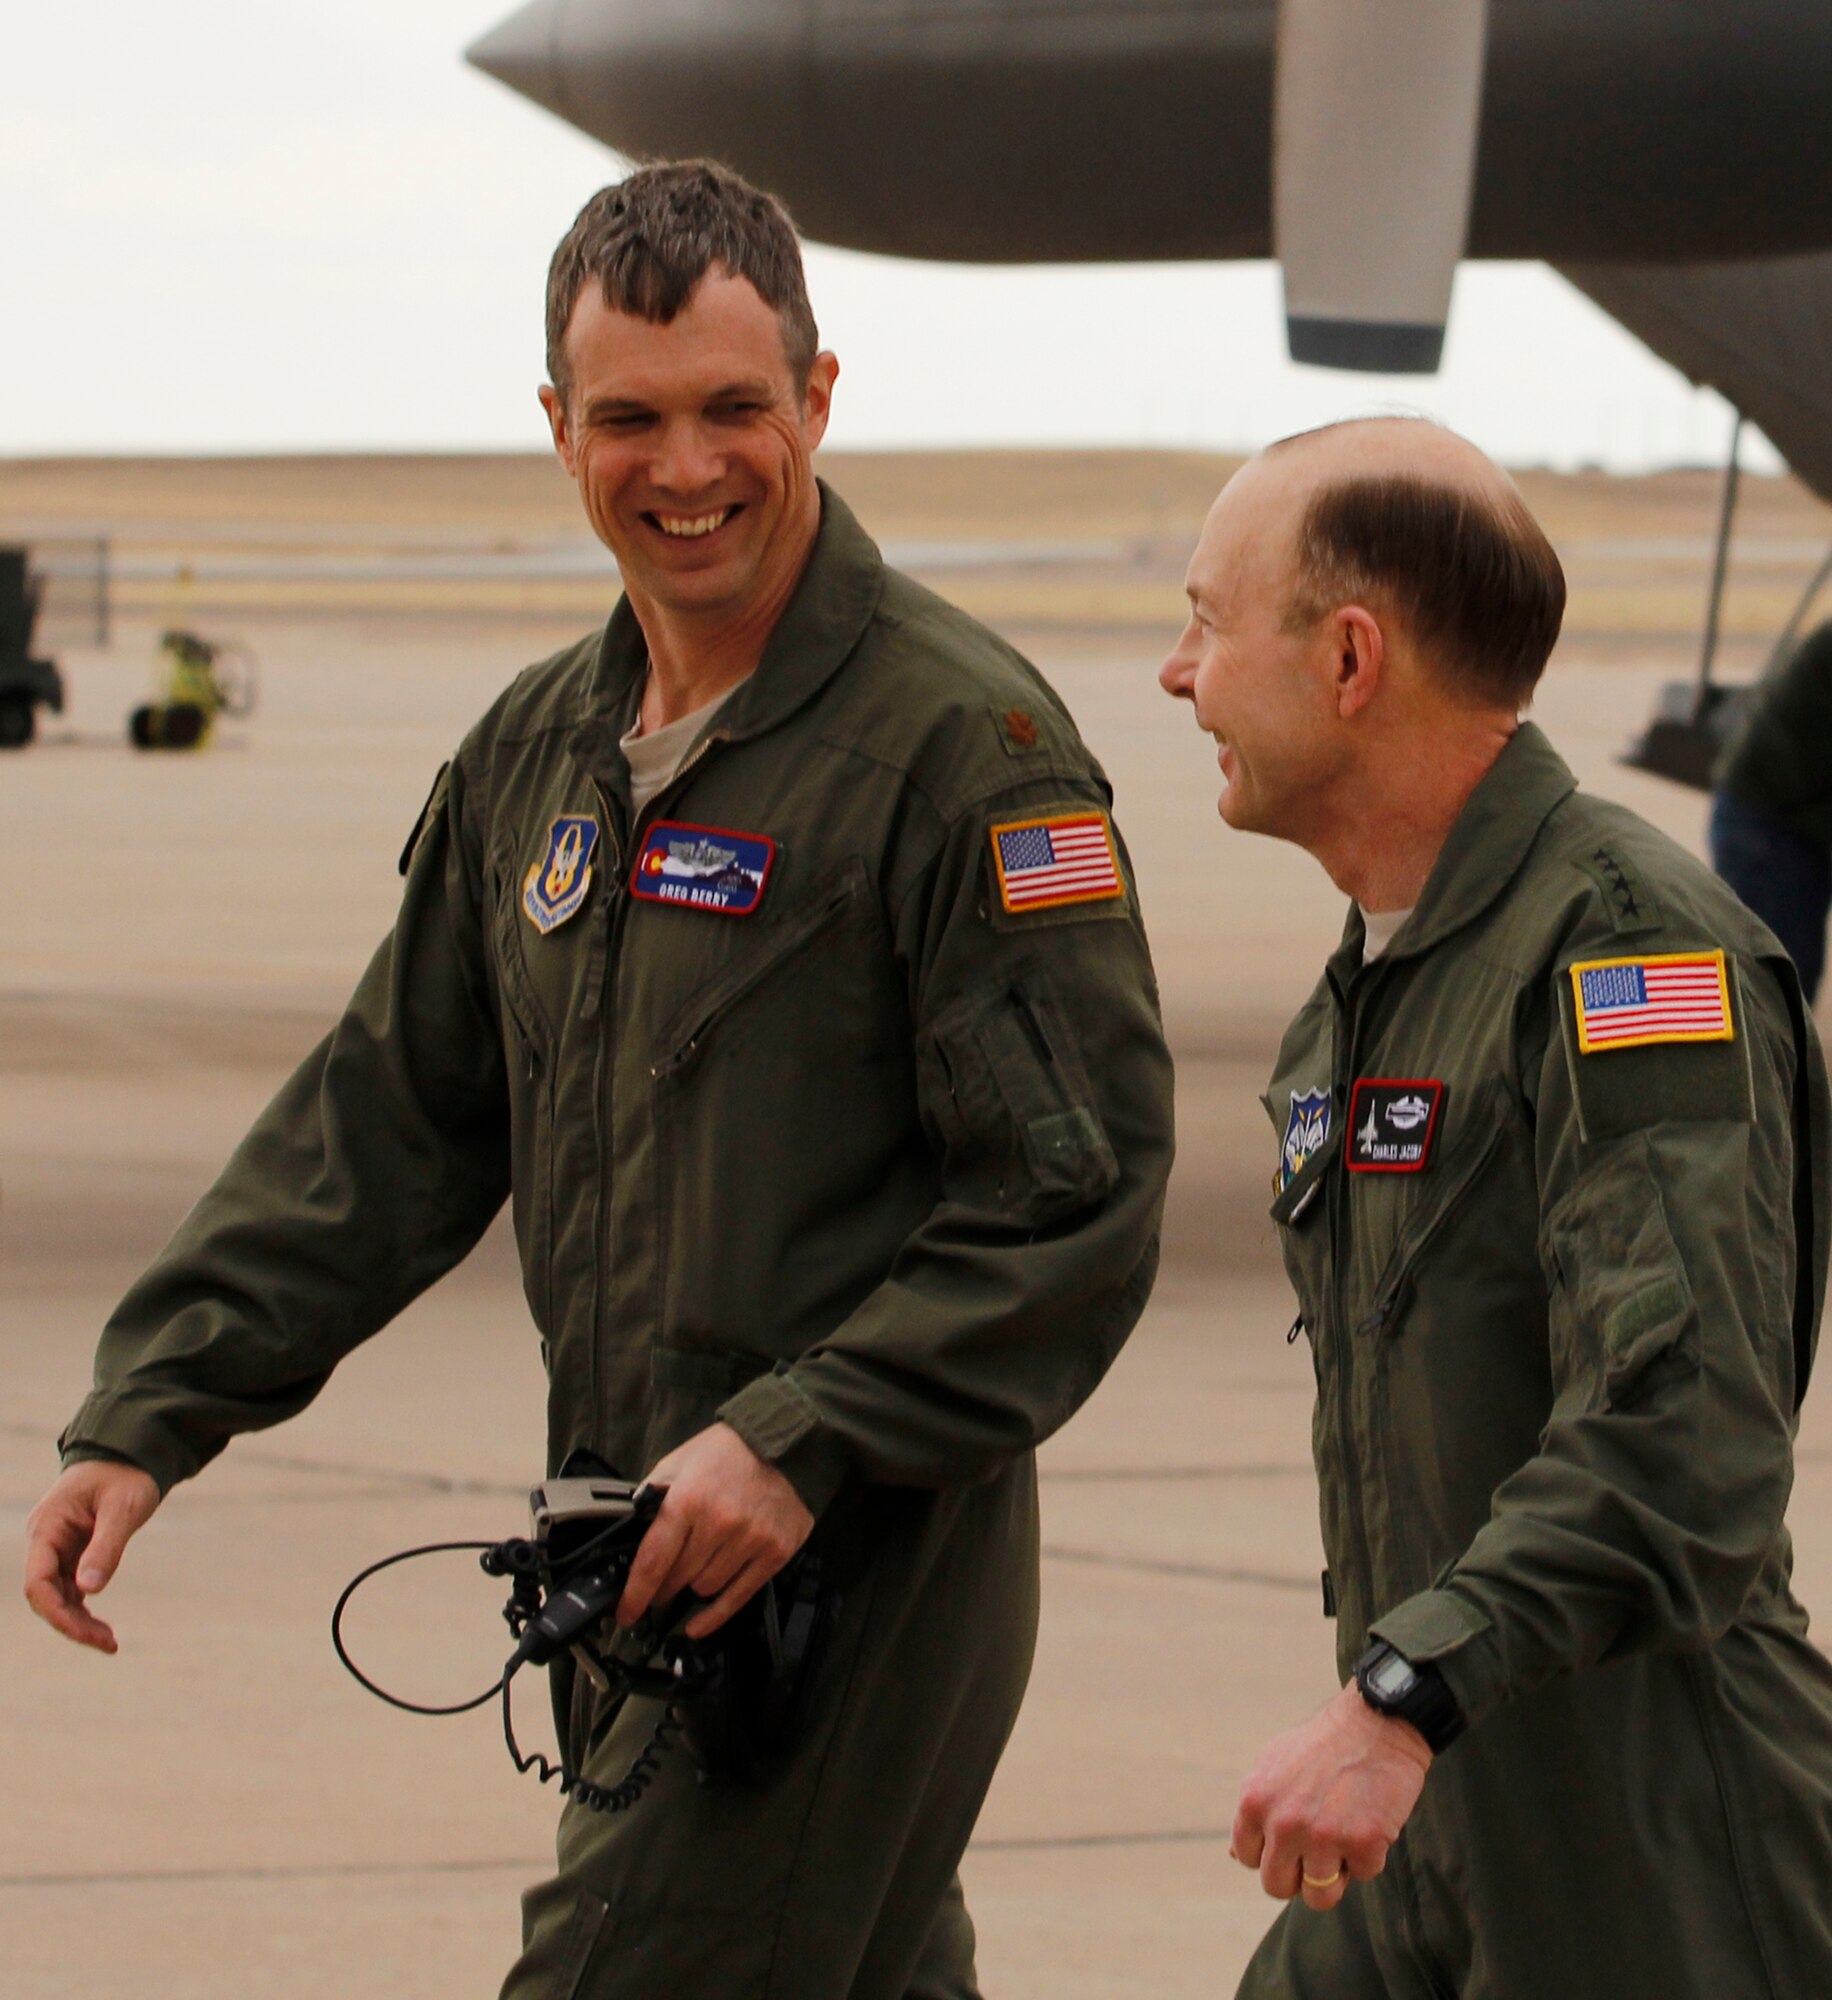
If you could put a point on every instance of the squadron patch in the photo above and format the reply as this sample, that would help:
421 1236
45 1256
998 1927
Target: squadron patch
557 885
1392 1123
702 868
1042 864
1628 1003
1306 1132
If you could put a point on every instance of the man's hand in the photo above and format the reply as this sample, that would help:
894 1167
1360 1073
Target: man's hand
728 1525
73 1543
1327 1800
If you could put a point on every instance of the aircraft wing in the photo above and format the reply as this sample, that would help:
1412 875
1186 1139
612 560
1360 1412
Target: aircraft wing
1760 333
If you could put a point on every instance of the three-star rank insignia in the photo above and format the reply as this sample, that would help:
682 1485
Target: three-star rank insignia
1392 1124
556 887
702 868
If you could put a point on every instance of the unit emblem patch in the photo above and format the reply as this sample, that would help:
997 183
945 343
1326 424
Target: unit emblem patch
1306 1132
1392 1124
557 885
1064 858
702 868
1628 1003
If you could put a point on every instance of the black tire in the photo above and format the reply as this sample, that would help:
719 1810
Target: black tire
18 721
184 725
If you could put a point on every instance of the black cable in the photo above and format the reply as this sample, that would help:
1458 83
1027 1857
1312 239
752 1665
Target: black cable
608 1799
356 1673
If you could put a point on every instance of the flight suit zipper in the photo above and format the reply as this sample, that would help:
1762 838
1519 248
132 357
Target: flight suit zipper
1353 1473
617 888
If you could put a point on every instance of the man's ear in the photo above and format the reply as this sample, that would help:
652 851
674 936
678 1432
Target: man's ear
555 406
1360 650
817 403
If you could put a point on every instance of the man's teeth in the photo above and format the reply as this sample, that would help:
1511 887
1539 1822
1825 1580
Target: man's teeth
691 525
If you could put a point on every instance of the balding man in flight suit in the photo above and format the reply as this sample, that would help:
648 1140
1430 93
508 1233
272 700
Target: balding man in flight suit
1552 1190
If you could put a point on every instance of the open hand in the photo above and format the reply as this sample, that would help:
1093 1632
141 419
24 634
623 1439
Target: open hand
729 1523
73 1543
1327 1800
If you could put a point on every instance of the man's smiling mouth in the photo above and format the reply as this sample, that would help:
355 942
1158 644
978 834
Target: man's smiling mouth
689 527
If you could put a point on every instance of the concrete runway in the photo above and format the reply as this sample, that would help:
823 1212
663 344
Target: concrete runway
218 1810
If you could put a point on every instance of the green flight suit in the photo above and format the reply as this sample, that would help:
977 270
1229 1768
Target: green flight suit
1560 1337
873 1173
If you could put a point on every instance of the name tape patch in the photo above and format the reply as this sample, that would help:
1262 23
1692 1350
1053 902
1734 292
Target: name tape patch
1393 1122
1063 858
557 885
702 868
1630 1003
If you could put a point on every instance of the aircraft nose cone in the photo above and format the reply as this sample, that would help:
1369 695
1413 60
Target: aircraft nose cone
522 51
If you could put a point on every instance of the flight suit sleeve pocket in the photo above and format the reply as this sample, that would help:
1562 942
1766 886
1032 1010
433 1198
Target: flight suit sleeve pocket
1006 1093
1632 1315
1624 1090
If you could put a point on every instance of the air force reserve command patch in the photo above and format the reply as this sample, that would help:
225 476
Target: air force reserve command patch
702 868
1392 1123
557 885
1068 857
1306 1132
1628 1003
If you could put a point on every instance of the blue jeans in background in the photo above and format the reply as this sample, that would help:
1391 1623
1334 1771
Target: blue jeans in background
1782 875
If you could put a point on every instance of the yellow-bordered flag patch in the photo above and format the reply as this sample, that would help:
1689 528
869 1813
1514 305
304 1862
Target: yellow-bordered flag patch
1061 858
1628 1003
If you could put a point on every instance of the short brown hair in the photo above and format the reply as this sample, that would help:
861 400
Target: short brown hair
649 240
1477 580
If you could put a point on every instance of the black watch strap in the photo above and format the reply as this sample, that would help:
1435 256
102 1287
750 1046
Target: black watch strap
1391 1685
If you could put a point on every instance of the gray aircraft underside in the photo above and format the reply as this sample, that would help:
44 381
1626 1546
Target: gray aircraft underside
1672 157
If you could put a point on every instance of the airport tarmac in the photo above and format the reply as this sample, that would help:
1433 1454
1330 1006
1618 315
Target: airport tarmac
219 1810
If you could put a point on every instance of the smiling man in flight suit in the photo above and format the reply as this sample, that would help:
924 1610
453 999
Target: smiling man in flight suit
773 951
1551 1186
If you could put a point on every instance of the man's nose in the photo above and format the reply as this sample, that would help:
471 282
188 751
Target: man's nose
686 462
1177 675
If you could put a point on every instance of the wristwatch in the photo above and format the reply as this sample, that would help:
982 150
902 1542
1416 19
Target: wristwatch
1391 1685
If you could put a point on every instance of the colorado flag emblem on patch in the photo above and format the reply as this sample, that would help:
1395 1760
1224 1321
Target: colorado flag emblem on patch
1627 1003
558 883
1064 858
702 868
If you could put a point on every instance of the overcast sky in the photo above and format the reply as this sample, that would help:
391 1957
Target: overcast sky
266 224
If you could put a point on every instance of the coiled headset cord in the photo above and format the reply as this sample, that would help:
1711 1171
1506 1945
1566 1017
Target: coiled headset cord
610 1799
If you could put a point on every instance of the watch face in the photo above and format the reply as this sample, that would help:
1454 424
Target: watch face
1393 1678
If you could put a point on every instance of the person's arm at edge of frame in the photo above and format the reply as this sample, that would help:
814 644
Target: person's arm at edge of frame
221 1335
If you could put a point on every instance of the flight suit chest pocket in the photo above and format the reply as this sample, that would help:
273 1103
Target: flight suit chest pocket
1005 1091
794 941
1421 1210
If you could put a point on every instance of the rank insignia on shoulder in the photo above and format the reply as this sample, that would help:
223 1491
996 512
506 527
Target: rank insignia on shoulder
556 887
1060 858
1629 1003
1392 1124
1306 1133
702 868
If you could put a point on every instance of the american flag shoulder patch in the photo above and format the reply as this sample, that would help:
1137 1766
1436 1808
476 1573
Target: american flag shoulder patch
1628 1003
1065 857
